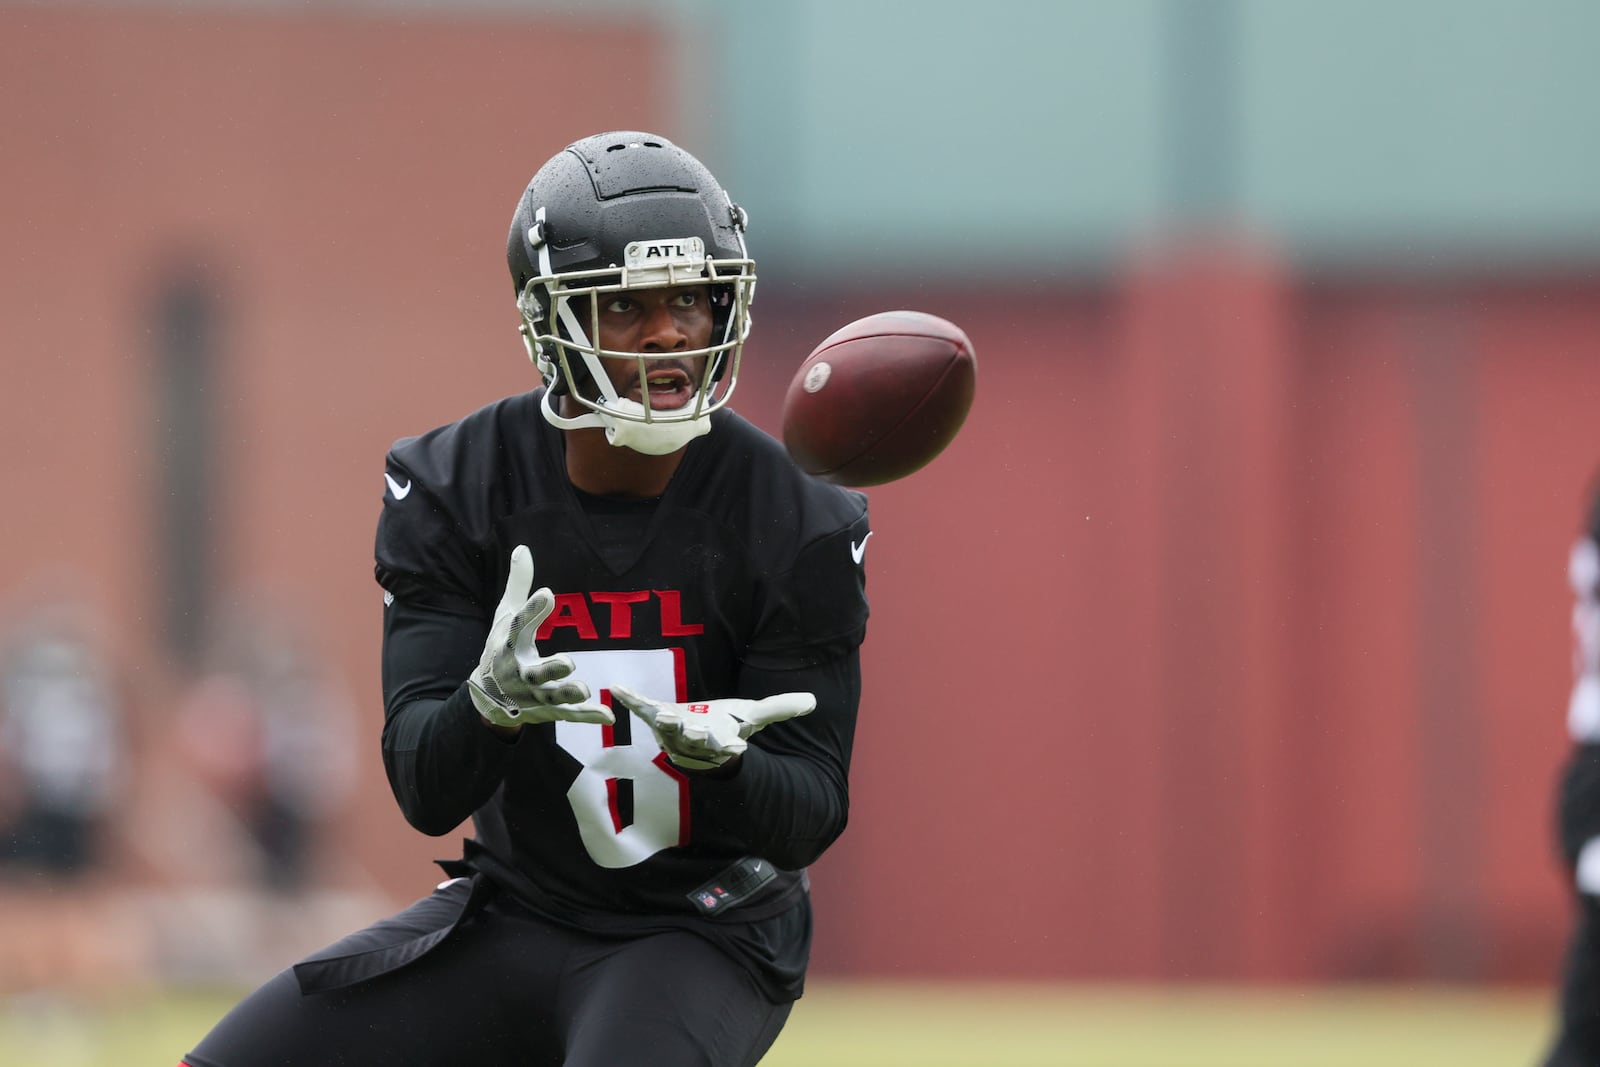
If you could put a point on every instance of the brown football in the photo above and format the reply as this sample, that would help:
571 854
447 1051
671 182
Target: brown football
880 398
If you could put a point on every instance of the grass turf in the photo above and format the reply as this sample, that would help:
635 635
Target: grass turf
869 1024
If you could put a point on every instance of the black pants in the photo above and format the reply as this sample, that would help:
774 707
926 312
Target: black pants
507 987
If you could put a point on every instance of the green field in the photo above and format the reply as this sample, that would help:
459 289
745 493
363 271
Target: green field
842 1024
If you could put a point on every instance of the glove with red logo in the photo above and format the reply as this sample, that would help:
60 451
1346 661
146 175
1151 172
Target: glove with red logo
705 735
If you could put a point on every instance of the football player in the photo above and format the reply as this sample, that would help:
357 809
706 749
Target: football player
1577 1041
621 636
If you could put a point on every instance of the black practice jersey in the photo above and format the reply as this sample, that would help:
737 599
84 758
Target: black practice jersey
744 579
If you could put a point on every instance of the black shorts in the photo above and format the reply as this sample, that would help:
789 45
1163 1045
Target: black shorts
505 986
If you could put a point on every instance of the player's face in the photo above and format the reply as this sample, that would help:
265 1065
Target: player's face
656 322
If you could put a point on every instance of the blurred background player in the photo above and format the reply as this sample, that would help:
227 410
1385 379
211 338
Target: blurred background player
65 743
266 731
61 736
654 742
1577 1041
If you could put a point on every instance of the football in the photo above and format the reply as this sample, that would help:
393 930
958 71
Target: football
879 398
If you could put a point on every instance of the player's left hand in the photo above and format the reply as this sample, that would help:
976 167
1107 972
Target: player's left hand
704 735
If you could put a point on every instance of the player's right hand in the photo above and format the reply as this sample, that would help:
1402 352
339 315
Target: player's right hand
513 684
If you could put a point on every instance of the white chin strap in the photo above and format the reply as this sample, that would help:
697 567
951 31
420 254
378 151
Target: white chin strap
650 438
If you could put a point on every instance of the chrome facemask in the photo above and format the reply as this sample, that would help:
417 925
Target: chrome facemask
554 340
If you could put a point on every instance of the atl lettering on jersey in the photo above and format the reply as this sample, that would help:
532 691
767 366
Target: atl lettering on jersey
581 612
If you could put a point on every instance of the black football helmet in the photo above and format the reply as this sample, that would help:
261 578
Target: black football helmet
618 211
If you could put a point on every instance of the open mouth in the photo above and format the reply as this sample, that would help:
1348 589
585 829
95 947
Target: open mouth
669 388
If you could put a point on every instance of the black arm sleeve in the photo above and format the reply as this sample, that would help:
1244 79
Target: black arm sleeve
790 797
1579 801
442 759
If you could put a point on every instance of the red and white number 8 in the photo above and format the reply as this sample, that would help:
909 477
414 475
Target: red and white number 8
660 809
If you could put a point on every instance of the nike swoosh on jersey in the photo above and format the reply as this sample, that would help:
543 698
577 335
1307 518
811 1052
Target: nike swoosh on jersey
400 491
859 552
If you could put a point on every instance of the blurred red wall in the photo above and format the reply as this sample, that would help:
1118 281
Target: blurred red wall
1228 641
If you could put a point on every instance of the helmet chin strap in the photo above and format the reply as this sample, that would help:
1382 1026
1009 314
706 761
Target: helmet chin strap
649 438
652 438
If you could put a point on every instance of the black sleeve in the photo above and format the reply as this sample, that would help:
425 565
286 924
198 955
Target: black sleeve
789 799
423 549
816 611
442 759
1579 801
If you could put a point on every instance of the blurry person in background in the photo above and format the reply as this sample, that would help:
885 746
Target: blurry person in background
271 735
653 742
1577 1042
61 730
66 777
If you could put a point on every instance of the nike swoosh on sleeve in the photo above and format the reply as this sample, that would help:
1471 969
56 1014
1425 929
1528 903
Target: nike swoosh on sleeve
859 552
400 491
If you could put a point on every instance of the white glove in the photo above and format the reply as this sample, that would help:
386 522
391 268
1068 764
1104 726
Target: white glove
513 684
706 735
